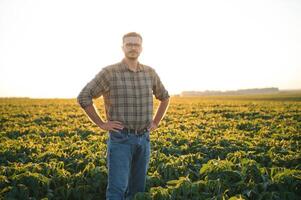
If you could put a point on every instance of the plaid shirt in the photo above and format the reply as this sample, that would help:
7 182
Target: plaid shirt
128 95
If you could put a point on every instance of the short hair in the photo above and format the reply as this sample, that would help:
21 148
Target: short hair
132 34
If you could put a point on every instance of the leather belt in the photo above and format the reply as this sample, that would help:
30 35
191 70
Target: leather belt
134 131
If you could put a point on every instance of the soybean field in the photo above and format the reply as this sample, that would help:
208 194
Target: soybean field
227 147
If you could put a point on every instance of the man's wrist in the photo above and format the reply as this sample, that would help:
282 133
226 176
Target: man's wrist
100 124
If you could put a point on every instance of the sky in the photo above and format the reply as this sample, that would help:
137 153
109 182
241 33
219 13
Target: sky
52 49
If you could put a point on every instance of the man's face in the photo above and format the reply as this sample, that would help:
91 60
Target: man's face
132 47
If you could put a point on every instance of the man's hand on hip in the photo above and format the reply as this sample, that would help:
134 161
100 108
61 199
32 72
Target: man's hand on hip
153 126
111 126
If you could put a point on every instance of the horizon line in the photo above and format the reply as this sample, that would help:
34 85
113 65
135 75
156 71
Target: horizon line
172 94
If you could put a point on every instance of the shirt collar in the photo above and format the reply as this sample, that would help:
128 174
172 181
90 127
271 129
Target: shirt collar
125 66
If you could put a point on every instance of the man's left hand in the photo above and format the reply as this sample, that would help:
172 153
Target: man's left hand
153 126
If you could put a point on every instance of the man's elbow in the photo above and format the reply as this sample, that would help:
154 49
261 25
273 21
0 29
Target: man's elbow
83 101
165 101
79 102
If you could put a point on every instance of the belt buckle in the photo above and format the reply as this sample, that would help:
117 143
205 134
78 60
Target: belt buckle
138 132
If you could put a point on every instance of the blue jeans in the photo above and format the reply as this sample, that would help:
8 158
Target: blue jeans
127 161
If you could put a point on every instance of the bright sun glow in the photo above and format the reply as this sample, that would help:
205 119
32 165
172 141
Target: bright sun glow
53 48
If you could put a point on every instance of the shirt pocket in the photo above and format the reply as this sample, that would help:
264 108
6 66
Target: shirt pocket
145 87
123 85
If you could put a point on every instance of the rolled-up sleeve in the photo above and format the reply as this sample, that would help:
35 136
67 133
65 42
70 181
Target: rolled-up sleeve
158 88
94 89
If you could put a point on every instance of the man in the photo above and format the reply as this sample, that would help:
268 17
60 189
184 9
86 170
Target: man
127 87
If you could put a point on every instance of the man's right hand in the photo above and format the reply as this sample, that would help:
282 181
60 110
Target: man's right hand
108 126
111 126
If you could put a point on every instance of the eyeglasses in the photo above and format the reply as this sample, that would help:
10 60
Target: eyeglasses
131 45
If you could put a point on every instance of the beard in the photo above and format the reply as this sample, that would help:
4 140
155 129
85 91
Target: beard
132 55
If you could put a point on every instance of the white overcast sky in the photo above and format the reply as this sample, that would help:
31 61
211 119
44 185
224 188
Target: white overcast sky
53 48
